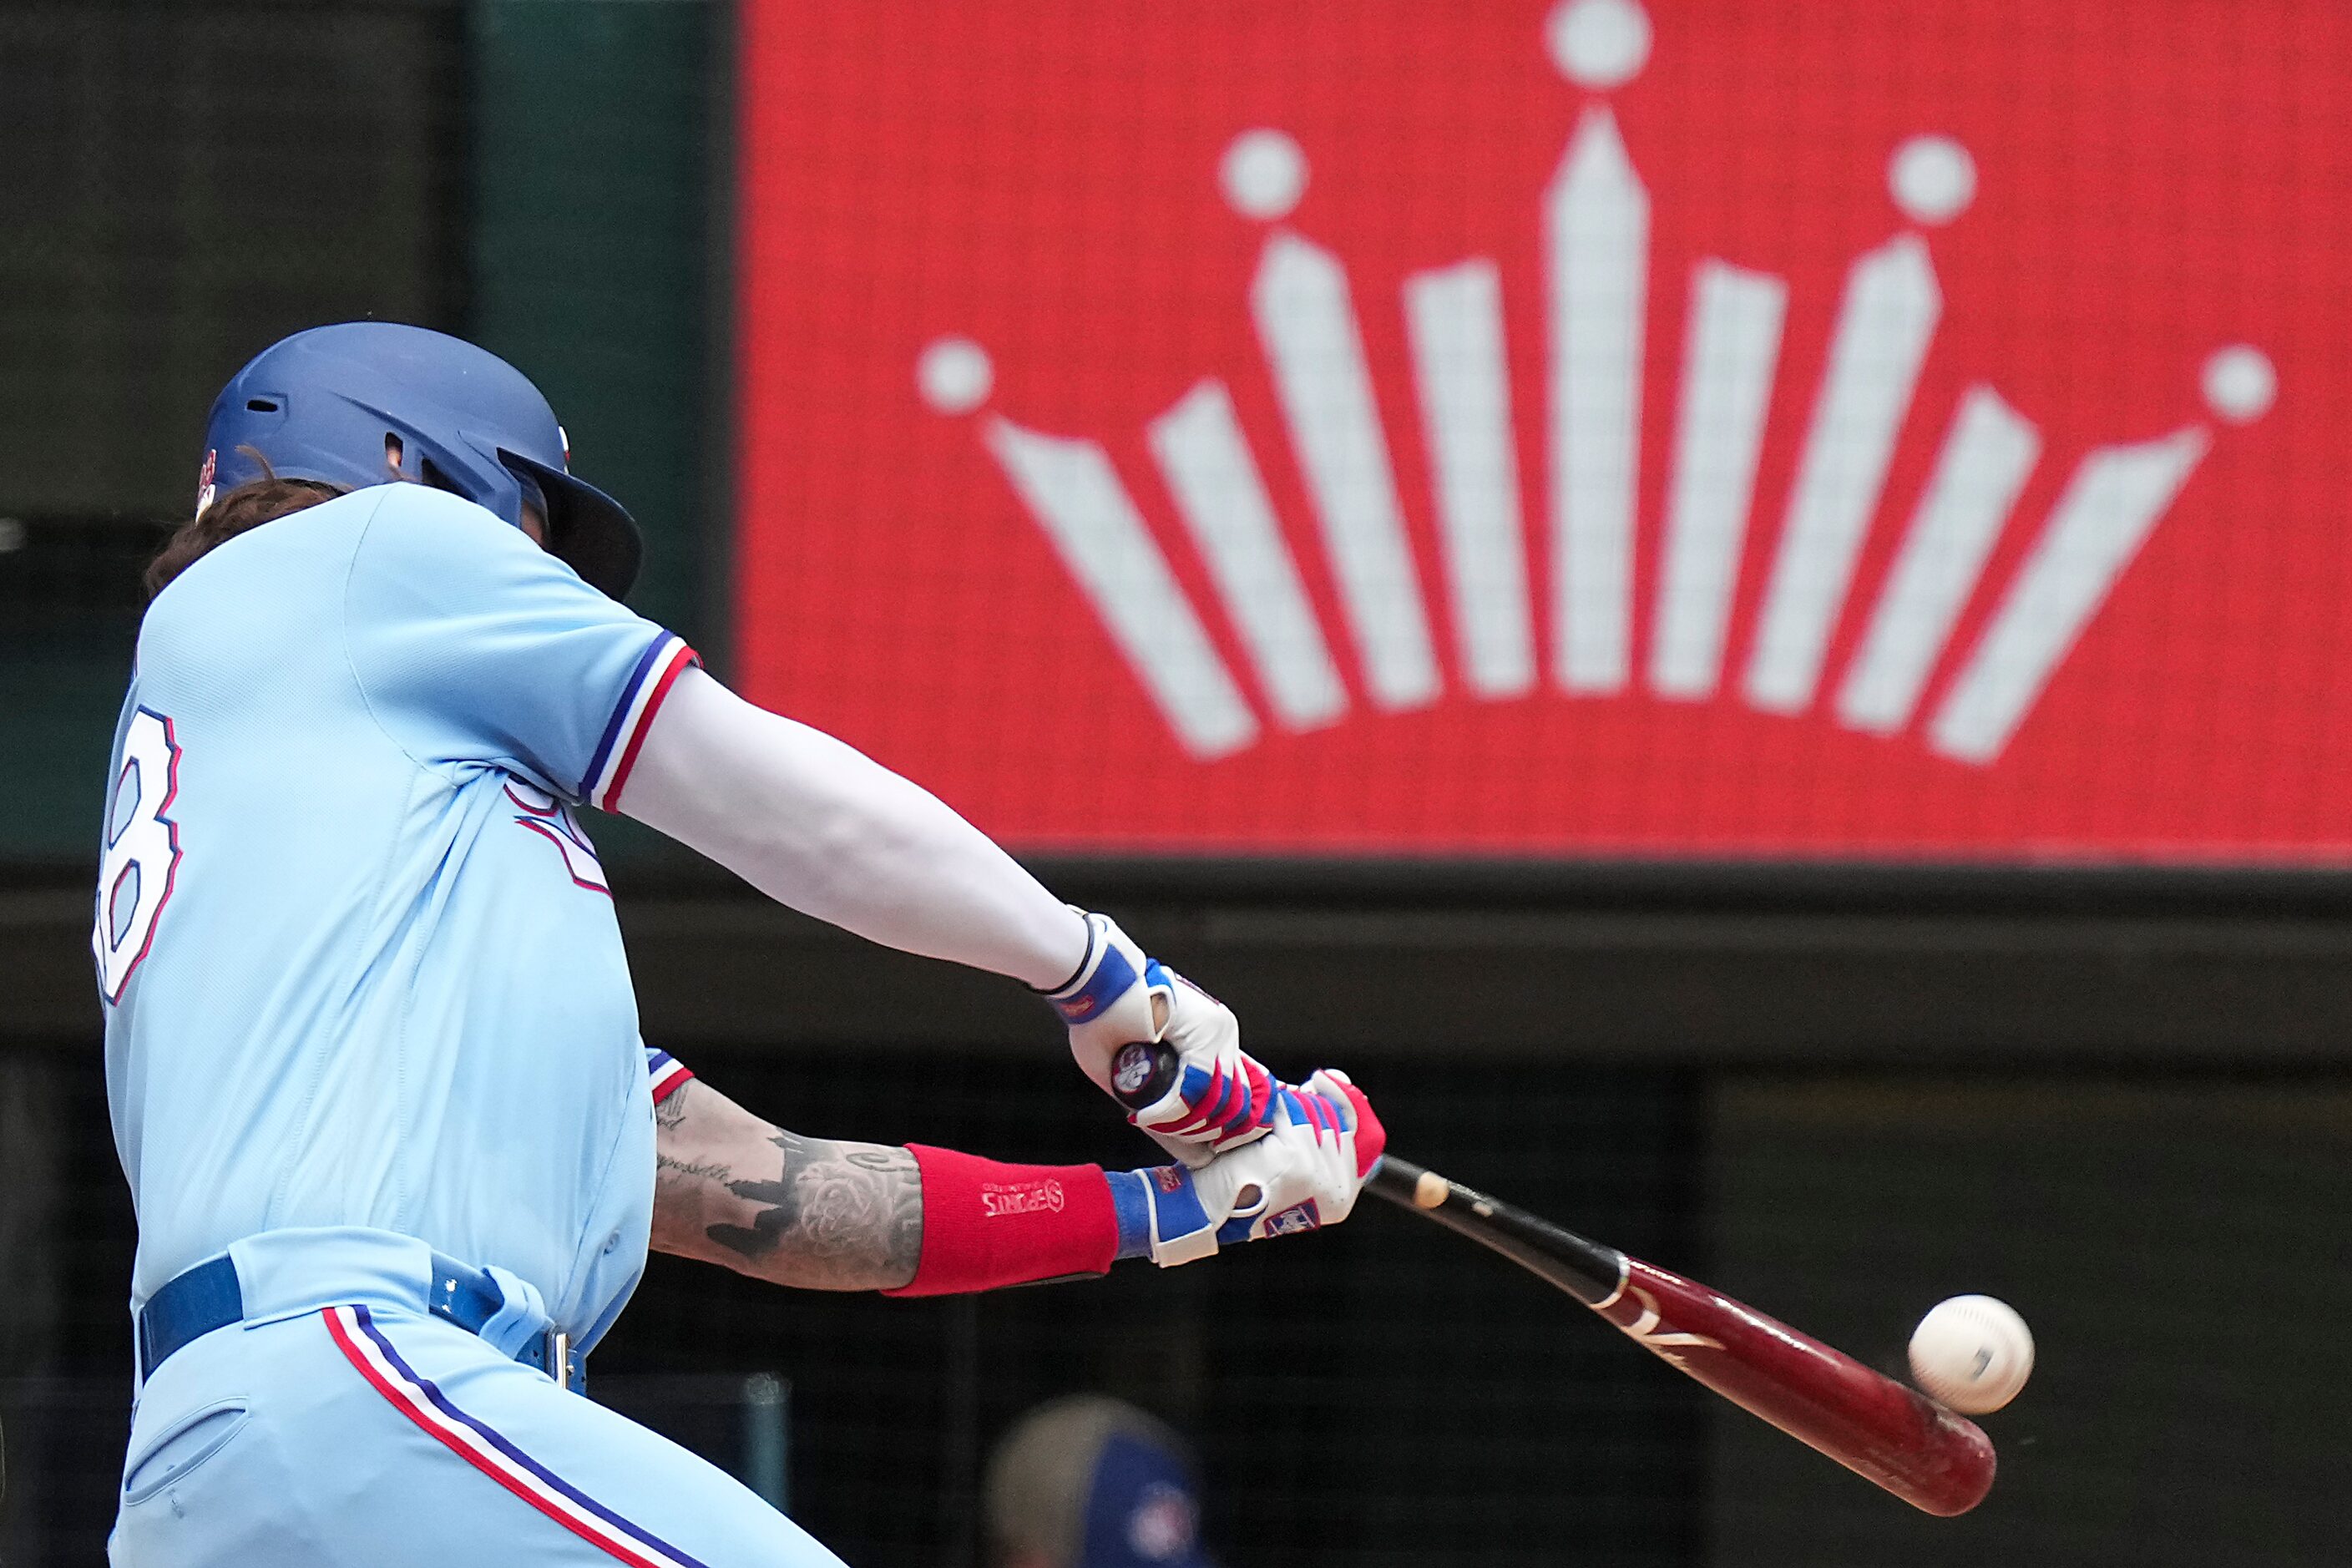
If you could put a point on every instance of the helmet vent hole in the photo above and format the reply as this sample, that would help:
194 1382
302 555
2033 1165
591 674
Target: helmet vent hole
433 476
262 406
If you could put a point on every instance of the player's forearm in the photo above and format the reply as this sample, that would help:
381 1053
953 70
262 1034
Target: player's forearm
731 1189
818 826
920 1221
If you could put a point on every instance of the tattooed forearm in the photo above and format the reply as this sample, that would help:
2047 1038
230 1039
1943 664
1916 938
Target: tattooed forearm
733 1189
850 1214
703 1170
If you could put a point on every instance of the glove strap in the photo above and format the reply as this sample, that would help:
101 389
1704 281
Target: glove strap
1160 1215
1131 1202
1102 975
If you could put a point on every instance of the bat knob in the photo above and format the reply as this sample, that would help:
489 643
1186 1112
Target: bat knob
1143 1073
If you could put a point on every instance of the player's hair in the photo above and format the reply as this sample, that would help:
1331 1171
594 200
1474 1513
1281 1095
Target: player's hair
245 508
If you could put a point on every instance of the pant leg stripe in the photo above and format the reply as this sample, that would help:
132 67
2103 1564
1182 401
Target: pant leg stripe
490 1452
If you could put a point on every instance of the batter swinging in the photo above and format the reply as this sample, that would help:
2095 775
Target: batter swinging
397 1149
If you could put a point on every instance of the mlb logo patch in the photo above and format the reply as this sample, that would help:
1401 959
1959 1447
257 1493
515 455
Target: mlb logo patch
1305 1216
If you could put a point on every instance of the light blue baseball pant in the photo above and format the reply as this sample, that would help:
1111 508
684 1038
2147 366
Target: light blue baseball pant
376 1436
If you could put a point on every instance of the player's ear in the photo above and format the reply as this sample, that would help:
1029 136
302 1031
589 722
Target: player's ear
393 451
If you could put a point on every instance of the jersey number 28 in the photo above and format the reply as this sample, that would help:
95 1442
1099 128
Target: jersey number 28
143 851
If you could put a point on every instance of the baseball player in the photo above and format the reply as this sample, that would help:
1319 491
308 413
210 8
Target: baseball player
397 1148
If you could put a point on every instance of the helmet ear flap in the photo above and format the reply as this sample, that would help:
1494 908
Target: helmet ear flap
585 527
429 473
426 469
534 499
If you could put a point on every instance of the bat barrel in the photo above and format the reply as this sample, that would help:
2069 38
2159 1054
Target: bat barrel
1889 1434
1896 1437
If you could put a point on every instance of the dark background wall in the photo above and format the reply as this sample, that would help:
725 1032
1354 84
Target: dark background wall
191 182
185 185
2168 1237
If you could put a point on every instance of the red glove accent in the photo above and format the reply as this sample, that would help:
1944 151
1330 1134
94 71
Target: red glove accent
987 1225
1372 1138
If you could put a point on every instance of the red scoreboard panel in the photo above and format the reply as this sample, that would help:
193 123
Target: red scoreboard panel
1603 427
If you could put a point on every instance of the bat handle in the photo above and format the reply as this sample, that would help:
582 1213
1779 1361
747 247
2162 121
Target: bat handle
1585 1269
1142 1072
1398 1181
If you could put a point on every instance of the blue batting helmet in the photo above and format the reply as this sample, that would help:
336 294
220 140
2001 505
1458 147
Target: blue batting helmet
328 403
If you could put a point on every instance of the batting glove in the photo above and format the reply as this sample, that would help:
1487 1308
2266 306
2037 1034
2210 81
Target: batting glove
1220 1097
1304 1173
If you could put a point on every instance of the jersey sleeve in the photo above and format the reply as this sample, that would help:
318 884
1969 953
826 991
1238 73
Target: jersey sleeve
669 1074
472 644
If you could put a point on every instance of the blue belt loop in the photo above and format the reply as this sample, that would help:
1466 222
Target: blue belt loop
208 1297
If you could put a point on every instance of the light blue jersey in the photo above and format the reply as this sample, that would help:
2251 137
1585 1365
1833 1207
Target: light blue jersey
359 963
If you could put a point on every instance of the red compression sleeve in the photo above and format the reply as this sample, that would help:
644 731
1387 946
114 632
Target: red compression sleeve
987 1225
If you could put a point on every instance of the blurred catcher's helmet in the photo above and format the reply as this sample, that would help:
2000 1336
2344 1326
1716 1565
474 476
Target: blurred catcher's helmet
1088 1481
327 404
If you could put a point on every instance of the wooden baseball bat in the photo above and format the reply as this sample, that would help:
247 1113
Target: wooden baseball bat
1882 1430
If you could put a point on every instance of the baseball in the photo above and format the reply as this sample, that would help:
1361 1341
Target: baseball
1973 1353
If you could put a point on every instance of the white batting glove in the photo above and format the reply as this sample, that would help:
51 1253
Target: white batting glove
1303 1174
1220 1097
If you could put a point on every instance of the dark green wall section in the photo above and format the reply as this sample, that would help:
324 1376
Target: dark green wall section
57 721
595 159
552 164
592 154
186 183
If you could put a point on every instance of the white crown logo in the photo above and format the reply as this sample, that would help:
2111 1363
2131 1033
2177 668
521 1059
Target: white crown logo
1595 216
